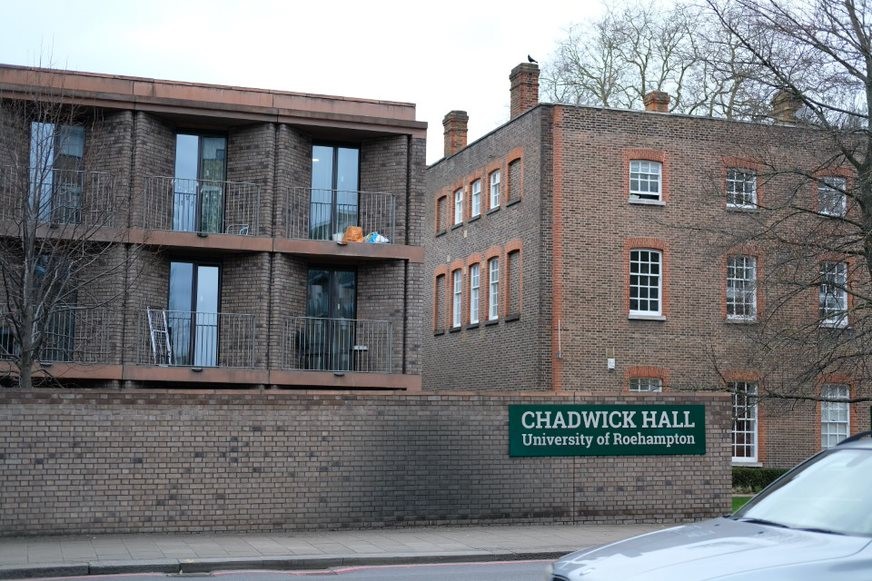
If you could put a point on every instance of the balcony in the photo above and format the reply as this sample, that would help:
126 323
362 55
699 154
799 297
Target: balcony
196 339
317 219
338 345
201 207
69 198
318 214
71 334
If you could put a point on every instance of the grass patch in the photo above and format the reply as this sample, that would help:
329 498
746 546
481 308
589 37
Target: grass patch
740 501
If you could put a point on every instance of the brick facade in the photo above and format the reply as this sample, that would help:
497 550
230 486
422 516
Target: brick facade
90 462
263 246
578 225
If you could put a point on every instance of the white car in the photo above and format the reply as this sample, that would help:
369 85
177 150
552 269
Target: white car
813 523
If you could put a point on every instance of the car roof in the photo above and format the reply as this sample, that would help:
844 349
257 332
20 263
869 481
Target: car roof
861 440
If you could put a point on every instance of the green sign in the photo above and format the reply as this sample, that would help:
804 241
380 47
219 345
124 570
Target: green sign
606 430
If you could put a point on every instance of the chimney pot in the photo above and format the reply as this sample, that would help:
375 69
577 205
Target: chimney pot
785 105
454 124
524 81
656 101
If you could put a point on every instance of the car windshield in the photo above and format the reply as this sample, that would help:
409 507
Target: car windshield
831 493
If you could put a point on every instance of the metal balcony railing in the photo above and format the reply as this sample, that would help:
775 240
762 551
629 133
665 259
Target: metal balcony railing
59 196
202 206
318 344
197 339
71 333
319 214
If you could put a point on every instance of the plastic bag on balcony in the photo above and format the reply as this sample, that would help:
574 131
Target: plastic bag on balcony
353 234
375 238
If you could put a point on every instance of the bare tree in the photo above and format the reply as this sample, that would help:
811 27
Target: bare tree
60 224
815 224
635 48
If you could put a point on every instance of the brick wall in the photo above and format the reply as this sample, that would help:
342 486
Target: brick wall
383 170
511 353
244 279
251 158
154 153
89 462
109 148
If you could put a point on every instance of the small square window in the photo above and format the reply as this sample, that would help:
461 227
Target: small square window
741 188
645 180
832 198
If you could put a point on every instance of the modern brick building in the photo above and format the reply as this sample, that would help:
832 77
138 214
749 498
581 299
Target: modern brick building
602 251
222 209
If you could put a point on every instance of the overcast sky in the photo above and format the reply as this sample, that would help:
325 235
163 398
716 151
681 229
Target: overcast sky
446 55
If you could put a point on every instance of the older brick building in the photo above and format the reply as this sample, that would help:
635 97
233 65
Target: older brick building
592 250
227 207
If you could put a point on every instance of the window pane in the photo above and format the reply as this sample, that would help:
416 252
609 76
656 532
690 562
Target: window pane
645 178
474 283
744 421
742 287
835 415
741 188
645 282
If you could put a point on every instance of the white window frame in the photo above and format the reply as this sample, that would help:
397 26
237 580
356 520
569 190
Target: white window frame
646 279
495 189
646 385
833 294
741 188
746 423
474 284
458 206
493 281
742 288
457 297
475 198
832 197
646 180
835 415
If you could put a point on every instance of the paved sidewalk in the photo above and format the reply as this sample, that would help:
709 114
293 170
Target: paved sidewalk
50 556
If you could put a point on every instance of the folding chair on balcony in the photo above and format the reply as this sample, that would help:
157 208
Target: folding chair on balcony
161 346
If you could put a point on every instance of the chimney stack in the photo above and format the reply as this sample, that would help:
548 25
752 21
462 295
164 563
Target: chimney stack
656 101
525 88
455 131
785 105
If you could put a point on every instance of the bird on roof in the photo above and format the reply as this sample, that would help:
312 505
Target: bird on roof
532 60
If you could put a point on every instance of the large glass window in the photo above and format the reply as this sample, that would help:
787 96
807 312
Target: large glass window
833 294
327 340
835 414
645 282
198 187
742 288
741 188
744 421
56 171
192 317
645 179
334 201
